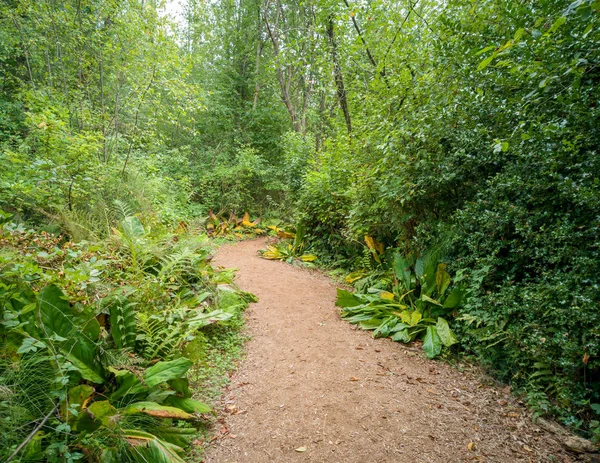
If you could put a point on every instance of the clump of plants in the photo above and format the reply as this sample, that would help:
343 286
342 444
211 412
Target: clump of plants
418 305
219 226
291 248
92 342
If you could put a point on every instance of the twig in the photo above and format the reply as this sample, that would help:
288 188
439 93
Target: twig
33 433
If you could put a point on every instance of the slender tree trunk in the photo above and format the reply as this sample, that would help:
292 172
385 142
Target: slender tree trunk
137 113
339 79
362 39
103 116
321 126
259 46
26 48
283 78
49 68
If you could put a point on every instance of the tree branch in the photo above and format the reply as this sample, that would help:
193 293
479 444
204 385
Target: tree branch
32 434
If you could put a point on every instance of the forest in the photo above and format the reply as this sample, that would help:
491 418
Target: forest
439 156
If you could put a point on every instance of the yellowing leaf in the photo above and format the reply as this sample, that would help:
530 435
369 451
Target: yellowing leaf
354 276
308 258
156 410
374 246
246 217
285 235
415 318
387 295
405 317
370 242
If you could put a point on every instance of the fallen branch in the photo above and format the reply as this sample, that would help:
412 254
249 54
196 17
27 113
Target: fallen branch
33 433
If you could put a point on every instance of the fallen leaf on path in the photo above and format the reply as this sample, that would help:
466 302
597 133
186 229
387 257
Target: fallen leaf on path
471 446
354 378
300 449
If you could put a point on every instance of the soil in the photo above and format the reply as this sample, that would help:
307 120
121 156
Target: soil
313 388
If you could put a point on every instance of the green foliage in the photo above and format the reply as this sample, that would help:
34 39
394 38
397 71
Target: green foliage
291 249
88 331
475 124
417 306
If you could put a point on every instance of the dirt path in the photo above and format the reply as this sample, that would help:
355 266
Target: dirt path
312 381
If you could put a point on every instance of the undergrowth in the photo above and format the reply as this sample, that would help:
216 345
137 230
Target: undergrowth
110 349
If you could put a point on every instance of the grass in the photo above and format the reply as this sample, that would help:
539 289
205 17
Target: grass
216 354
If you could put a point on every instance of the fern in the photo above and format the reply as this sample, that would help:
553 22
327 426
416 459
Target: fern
123 325
83 225
157 338
121 210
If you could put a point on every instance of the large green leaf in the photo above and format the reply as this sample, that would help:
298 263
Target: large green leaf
76 398
442 279
454 298
82 354
188 405
181 385
128 384
445 333
148 448
132 227
157 411
346 299
432 344
204 319
55 312
401 336
174 435
166 371
371 324
420 267
402 271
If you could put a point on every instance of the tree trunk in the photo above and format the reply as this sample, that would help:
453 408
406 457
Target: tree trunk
339 79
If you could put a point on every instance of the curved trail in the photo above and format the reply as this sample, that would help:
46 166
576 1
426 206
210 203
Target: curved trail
315 383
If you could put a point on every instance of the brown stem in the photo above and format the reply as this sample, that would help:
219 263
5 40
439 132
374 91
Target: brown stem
32 434
339 79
